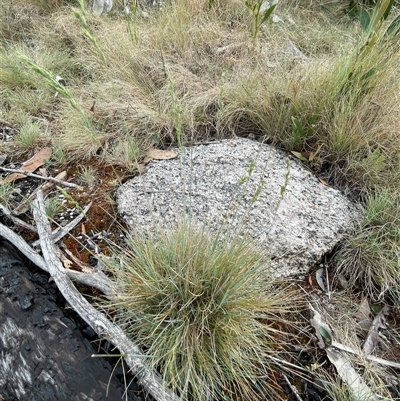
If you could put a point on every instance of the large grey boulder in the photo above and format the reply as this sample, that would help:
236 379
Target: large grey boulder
295 217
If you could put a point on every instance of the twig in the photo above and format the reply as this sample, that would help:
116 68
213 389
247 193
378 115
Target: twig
57 181
16 220
373 333
371 358
84 266
60 232
293 388
134 357
97 280
46 187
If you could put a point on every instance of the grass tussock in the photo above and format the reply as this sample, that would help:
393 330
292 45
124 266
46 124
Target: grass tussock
204 309
371 255
28 136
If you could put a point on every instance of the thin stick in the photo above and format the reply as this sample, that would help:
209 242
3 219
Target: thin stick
293 388
371 358
16 220
84 266
97 280
46 187
134 357
57 181
60 232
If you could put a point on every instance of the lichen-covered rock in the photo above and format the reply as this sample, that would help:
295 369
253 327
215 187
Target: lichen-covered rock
249 187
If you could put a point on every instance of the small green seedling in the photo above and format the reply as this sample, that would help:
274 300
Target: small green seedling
177 111
70 198
261 11
302 132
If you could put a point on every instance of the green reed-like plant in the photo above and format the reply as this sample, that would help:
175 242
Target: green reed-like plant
177 111
131 19
261 11
80 14
372 25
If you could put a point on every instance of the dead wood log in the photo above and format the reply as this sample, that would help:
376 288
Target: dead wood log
97 280
133 356
44 354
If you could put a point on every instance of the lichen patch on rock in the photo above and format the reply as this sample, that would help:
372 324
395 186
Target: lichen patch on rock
244 187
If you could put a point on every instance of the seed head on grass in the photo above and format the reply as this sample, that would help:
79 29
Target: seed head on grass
203 310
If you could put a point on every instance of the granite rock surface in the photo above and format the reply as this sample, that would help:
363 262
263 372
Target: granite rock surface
244 187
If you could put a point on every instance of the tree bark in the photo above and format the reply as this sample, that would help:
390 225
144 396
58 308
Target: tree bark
133 356
97 280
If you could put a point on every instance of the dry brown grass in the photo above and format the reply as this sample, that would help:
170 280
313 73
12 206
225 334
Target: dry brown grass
197 74
348 318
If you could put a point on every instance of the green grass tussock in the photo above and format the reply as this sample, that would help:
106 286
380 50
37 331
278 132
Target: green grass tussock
205 309
371 255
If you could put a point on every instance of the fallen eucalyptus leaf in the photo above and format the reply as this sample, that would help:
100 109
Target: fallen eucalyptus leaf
159 154
31 165
373 340
326 335
349 375
319 276
363 315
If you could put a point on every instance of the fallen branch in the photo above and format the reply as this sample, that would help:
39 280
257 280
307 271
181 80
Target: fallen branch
46 187
133 356
57 234
373 340
97 280
16 220
52 179
60 232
